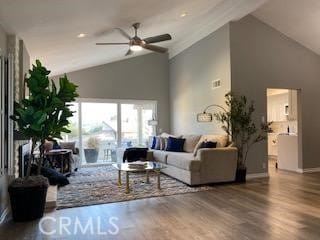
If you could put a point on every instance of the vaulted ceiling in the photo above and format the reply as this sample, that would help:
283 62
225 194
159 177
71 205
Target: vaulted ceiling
298 19
50 28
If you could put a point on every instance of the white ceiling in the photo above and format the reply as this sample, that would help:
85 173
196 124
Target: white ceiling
49 28
298 19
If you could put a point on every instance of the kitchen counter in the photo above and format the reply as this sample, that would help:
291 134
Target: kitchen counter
288 152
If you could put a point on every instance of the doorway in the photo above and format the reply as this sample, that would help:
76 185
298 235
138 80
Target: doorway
284 142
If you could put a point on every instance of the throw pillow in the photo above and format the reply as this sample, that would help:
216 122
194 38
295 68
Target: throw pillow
150 142
175 144
191 142
54 177
208 144
69 145
153 145
56 146
157 146
48 146
162 143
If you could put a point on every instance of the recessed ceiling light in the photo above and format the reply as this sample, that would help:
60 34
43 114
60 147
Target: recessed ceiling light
82 35
183 14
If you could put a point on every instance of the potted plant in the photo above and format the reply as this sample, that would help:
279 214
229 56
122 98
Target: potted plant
238 123
92 150
43 116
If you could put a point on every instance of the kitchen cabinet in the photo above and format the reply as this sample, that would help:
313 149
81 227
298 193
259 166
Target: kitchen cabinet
283 107
277 108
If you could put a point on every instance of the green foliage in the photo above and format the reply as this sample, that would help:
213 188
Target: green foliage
239 125
44 115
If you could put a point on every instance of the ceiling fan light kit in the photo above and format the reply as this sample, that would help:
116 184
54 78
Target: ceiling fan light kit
137 44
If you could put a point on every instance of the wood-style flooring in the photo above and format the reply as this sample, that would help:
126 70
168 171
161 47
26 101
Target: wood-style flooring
284 206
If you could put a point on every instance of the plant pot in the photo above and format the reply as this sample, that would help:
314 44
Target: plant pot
91 155
241 175
28 198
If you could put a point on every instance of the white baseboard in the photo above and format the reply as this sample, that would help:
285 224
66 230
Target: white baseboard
256 175
5 215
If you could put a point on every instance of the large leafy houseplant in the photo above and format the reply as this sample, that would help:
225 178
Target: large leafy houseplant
42 116
238 123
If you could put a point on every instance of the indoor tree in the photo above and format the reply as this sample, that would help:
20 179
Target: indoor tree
44 114
238 123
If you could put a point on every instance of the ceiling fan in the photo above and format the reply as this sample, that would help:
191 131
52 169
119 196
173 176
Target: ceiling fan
136 43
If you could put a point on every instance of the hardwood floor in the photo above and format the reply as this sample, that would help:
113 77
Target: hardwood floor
284 206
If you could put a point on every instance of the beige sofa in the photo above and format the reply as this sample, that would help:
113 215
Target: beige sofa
197 166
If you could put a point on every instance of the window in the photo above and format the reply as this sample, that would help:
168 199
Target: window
110 126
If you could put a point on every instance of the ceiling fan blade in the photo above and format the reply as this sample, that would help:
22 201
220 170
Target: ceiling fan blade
123 33
155 48
112 43
129 52
159 38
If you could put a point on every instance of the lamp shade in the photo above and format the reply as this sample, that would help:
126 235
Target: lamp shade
153 122
204 117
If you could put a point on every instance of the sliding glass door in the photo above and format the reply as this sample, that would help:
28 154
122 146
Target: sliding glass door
103 129
98 132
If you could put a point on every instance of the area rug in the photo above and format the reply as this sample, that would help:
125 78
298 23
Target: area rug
99 185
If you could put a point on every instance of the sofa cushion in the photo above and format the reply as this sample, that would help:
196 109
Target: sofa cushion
222 141
190 143
184 161
160 156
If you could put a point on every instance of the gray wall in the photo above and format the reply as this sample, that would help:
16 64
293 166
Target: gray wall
140 78
262 58
191 75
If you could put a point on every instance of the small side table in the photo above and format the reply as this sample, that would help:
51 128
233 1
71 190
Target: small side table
60 158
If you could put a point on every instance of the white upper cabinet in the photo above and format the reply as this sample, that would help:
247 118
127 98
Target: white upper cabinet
283 107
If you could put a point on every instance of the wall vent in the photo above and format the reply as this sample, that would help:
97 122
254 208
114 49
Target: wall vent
216 83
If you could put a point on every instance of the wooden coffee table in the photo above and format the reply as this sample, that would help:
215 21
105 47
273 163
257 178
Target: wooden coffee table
150 166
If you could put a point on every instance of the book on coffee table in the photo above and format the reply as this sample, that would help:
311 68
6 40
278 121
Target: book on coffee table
138 164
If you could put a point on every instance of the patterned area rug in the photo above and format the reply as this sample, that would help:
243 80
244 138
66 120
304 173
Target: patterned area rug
98 185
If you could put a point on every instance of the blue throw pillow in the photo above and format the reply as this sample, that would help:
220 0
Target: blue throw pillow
154 141
56 146
175 144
